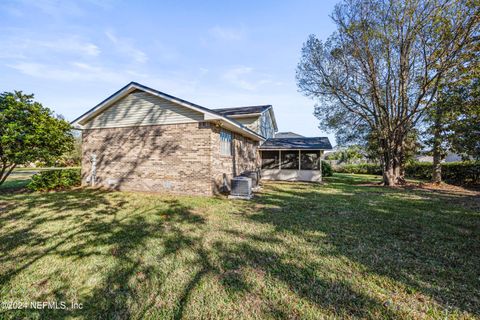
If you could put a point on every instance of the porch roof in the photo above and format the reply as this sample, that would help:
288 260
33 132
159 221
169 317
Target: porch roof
297 143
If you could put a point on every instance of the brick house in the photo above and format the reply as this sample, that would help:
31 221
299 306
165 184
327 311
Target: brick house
143 139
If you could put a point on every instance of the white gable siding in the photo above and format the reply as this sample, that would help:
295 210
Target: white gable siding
251 123
141 108
266 125
261 124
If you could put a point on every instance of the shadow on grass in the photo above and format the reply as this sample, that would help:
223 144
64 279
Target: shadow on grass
427 241
411 237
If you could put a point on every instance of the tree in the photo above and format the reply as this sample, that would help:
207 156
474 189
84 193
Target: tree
29 132
454 122
73 157
349 154
378 74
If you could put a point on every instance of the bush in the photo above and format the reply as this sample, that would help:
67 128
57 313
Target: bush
467 172
327 170
55 180
364 168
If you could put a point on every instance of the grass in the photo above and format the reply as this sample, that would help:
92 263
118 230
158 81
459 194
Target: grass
345 249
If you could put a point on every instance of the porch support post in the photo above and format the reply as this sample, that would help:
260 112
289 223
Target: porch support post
299 161
279 159
320 164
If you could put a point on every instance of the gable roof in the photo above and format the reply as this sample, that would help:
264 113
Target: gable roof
239 112
316 143
288 134
242 110
132 86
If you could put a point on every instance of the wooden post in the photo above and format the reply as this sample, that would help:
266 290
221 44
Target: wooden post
320 164
279 159
299 160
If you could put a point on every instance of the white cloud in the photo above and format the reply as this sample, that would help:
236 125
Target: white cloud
236 77
70 45
55 8
247 79
25 46
76 71
227 34
126 46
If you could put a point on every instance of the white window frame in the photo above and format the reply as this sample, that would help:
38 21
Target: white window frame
226 138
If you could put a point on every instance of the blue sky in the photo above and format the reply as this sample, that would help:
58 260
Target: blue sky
73 54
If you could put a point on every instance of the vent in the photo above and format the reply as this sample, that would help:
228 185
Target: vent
203 125
241 187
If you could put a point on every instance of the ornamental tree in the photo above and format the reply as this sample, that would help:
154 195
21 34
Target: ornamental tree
29 132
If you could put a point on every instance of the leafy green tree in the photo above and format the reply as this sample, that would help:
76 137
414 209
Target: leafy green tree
453 124
29 132
347 155
379 73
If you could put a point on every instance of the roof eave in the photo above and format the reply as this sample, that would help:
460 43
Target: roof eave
246 115
208 115
272 115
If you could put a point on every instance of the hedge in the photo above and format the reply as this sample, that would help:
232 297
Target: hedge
55 180
467 172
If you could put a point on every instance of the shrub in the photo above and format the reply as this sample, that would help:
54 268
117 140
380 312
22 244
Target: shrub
327 170
419 170
364 168
54 180
466 172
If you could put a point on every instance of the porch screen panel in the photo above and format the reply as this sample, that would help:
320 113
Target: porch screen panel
310 160
290 160
270 160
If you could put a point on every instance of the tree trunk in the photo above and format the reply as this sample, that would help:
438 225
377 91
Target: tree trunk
389 169
437 168
437 145
5 172
393 171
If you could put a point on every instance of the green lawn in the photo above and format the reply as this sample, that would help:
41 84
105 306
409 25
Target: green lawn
345 249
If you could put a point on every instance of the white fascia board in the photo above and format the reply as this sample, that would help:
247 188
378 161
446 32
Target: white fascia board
247 115
208 116
235 128
272 115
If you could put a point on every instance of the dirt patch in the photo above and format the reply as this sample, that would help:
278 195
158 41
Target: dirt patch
448 188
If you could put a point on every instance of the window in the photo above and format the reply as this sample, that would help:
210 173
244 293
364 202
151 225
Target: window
290 160
225 143
310 160
270 160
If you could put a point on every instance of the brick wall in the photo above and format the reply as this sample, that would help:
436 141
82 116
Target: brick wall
244 157
173 158
179 158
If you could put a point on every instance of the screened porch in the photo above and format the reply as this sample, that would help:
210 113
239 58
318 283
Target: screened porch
291 165
293 159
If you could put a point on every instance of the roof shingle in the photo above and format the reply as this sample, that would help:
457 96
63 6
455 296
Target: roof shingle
241 110
316 143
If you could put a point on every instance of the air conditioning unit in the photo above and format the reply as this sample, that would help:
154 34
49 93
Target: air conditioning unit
254 175
241 188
